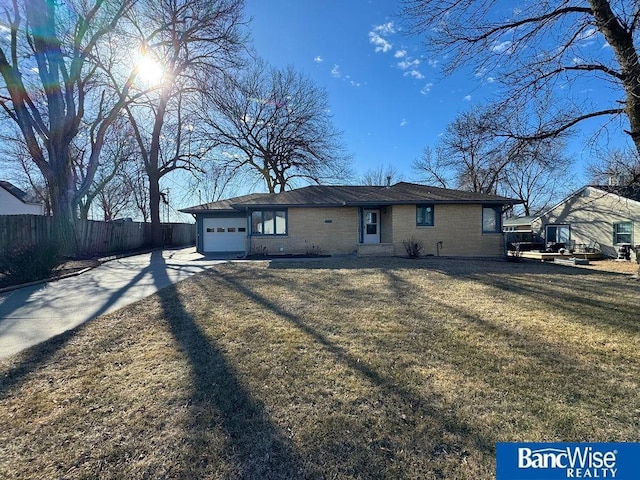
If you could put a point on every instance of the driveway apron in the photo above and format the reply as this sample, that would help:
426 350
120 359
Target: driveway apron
33 314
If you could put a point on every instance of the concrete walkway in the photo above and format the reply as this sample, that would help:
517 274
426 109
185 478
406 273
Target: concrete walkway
33 314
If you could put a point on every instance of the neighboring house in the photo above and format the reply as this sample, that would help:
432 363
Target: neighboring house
367 220
14 201
600 217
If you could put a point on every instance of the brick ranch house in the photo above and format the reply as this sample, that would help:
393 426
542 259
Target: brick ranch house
363 220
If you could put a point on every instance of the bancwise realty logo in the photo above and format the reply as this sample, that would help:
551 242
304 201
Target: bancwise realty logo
551 461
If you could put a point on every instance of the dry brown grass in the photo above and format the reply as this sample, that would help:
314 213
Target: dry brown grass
614 266
332 368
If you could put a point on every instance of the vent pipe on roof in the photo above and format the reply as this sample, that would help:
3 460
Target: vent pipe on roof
388 181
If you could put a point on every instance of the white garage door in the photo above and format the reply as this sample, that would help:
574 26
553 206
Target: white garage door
224 234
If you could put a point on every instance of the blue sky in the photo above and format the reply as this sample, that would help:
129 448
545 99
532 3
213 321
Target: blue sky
386 94
388 97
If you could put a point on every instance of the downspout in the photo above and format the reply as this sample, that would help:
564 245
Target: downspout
247 251
360 225
198 236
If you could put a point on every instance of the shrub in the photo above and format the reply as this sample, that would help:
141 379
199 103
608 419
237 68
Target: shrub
260 251
313 251
29 262
413 247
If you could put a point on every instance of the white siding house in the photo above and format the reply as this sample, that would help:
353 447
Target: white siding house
603 218
14 201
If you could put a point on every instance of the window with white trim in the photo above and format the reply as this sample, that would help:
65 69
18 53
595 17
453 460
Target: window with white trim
623 233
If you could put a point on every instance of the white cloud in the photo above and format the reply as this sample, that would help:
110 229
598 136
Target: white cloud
385 28
406 64
490 79
318 59
355 84
376 36
335 72
403 122
415 74
400 54
467 98
577 61
426 89
230 155
588 34
501 46
381 44
432 62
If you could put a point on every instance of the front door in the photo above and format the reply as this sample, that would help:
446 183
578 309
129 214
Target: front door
371 226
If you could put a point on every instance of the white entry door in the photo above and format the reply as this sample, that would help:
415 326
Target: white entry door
371 226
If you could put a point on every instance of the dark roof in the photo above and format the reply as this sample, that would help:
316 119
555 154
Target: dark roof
16 192
349 195
220 205
631 192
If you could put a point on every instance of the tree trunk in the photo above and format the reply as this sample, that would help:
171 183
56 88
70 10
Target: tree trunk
64 217
154 207
621 41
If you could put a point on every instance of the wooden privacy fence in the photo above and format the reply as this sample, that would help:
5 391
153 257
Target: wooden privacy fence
92 236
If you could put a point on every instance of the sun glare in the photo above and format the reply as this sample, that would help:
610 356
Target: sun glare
149 70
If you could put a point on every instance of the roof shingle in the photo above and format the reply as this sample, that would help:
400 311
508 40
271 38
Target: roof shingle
352 195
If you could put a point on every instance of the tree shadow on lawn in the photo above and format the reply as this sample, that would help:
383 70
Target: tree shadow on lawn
611 309
498 344
254 449
30 360
454 435
458 266
536 280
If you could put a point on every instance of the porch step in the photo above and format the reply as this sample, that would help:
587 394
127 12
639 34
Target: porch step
375 250
571 261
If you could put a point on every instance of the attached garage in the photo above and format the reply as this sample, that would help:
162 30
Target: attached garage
226 234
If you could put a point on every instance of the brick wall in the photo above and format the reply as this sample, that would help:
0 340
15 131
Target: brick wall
458 227
335 231
332 230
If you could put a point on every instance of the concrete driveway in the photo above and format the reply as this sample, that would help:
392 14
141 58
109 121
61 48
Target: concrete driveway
31 315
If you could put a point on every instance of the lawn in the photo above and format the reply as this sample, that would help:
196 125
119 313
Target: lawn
330 368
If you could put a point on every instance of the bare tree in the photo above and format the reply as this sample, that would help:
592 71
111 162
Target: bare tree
275 124
381 175
215 181
117 157
616 167
538 50
470 153
477 154
136 182
195 41
47 74
540 176
433 168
